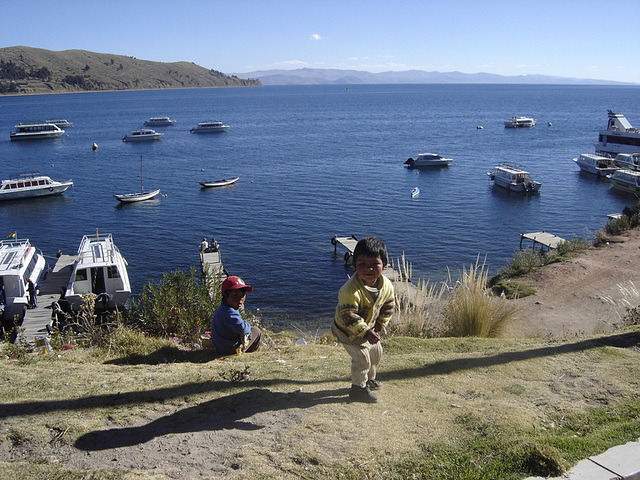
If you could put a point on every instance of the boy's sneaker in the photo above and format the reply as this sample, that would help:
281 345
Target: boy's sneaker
362 394
374 384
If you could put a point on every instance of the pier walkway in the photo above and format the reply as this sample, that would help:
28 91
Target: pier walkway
542 238
211 263
36 320
405 290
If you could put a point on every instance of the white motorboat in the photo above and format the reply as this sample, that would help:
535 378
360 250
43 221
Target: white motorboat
142 135
626 180
630 161
513 178
60 122
159 122
100 270
519 122
596 164
34 131
31 185
225 182
21 265
140 196
618 137
210 127
428 160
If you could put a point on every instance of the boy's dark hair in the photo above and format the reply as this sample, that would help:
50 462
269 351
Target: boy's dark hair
371 247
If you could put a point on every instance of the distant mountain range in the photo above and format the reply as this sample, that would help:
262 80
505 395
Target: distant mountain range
316 76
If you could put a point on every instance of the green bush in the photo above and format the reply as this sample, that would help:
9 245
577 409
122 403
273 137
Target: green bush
616 226
179 306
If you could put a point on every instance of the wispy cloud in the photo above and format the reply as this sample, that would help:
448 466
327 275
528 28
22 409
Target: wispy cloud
316 36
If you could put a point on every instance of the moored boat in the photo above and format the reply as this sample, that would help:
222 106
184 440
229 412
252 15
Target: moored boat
100 270
142 135
596 164
35 131
630 161
513 178
428 160
626 180
140 196
519 122
21 265
618 136
210 127
225 182
31 185
159 122
415 191
60 122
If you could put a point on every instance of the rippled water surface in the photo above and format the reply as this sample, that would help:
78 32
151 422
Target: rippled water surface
313 162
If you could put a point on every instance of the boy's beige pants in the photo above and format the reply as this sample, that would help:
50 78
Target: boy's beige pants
364 361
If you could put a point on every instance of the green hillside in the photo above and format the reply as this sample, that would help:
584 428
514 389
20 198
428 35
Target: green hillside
25 70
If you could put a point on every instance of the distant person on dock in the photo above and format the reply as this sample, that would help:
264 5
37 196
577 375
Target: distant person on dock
230 334
214 244
365 305
204 245
33 299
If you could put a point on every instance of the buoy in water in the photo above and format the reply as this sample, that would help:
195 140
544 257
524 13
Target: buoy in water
479 127
94 147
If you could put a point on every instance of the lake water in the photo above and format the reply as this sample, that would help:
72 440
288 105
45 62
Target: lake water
313 162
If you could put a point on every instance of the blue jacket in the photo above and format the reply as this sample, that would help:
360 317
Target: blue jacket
227 329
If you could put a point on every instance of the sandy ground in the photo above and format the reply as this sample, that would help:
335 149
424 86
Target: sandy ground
585 295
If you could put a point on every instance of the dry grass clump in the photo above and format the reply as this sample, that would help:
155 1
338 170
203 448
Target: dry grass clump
471 310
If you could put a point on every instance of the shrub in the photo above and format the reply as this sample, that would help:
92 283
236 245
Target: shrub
616 226
523 262
471 310
179 306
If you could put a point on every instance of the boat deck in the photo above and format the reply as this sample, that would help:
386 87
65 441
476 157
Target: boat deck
405 290
37 319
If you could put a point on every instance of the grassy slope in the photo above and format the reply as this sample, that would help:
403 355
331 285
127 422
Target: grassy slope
111 72
450 408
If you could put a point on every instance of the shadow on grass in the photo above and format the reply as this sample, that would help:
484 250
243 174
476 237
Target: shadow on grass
166 355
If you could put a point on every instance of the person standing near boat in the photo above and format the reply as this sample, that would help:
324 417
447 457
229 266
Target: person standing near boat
230 333
365 305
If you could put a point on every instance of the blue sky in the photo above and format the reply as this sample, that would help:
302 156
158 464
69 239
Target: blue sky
568 38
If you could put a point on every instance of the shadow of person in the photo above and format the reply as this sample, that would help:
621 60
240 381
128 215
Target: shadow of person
228 412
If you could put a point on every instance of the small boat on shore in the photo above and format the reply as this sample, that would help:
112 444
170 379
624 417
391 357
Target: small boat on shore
225 182
31 185
21 265
519 122
142 135
210 127
428 160
513 178
596 164
101 270
35 131
159 122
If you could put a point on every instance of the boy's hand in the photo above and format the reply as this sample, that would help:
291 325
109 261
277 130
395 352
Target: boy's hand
372 337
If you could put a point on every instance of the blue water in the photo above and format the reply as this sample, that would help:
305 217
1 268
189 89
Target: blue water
313 162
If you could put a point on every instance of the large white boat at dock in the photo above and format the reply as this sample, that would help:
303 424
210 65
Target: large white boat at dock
513 178
618 137
630 161
31 185
101 270
34 131
21 265
596 164
626 180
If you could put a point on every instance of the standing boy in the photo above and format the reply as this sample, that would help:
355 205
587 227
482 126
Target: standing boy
365 306
229 332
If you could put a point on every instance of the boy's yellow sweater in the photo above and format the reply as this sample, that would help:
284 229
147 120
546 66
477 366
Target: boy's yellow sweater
360 310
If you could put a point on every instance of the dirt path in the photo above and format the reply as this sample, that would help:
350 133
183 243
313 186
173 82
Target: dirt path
585 295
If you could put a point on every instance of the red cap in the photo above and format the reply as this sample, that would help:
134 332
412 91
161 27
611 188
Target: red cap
235 283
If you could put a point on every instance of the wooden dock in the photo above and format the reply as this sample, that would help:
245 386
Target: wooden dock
405 290
211 263
37 319
542 238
